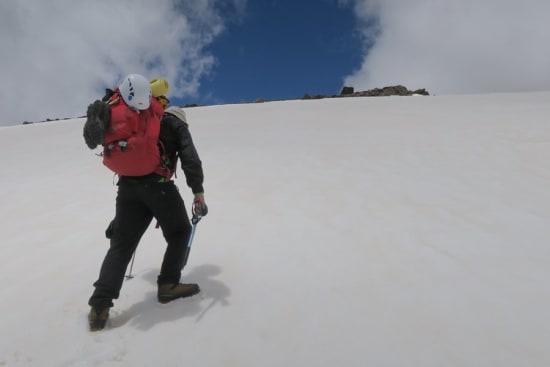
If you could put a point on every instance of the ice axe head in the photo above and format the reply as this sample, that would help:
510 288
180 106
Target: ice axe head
199 210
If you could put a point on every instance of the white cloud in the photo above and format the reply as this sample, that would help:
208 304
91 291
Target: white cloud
449 46
59 55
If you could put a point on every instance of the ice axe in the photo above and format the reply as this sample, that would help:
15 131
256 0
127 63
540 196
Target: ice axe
197 216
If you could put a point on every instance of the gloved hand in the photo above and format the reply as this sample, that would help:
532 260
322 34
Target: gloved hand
199 205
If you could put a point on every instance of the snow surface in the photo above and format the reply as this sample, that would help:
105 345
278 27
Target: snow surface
398 231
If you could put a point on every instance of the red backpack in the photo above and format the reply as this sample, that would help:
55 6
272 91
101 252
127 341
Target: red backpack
131 141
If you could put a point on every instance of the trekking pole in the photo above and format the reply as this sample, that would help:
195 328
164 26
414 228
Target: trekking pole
196 218
130 276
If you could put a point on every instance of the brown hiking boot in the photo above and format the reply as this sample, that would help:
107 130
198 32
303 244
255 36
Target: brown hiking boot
97 318
170 292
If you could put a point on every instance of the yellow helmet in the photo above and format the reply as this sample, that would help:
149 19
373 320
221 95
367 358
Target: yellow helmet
159 87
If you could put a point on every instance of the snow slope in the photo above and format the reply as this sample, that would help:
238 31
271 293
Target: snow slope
398 231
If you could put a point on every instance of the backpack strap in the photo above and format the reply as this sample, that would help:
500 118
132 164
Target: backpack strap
165 169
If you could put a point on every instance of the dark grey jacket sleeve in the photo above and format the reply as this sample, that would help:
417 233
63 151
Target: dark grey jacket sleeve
180 137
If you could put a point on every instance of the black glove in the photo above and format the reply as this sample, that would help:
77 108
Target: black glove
200 208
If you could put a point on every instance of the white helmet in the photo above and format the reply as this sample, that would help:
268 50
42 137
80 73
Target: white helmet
136 91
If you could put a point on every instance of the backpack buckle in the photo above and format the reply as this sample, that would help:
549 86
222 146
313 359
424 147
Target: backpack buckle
108 149
122 144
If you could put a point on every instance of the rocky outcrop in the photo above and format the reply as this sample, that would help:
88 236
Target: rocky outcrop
396 90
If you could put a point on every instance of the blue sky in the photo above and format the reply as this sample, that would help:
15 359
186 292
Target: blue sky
283 49
60 55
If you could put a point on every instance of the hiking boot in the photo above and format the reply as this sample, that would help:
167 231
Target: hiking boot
170 292
97 318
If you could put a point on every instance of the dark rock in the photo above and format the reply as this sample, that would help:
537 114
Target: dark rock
347 91
422 92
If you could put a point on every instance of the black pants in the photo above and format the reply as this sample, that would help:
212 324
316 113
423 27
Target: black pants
137 203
